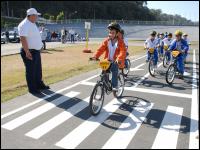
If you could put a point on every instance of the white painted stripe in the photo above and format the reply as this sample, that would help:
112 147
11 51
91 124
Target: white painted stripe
194 128
41 99
38 111
138 58
121 138
137 67
74 138
159 92
57 120
88 83
168 132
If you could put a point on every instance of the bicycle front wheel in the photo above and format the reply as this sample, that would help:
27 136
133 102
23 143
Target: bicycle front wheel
170 74
96 99
165 61
151 68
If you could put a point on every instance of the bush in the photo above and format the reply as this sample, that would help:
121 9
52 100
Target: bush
60 16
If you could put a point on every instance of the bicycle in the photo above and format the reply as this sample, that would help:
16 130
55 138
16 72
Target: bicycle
151 66
173 70
165 59
104 86
127 67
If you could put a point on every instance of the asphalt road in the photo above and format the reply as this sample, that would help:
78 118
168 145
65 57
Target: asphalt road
151 114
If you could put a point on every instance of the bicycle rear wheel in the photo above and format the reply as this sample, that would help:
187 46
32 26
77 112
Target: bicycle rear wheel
126 70
96 99
121 84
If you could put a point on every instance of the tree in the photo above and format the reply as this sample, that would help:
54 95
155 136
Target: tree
46 16
52 18
60 16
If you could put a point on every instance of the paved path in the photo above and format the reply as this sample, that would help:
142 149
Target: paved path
151 114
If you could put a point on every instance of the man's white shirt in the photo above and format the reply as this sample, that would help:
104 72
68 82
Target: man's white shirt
29 30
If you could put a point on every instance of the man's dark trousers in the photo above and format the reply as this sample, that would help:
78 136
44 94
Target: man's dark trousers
33 69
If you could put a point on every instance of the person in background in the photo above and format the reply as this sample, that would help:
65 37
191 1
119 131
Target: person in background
167 42
71 31
185 37
151 42
7 36
43 34
121 36
30 51
166 34
160 45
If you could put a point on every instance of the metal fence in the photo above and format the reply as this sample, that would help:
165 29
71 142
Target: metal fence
15 21
128 22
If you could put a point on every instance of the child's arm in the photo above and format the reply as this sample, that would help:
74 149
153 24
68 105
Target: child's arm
101 49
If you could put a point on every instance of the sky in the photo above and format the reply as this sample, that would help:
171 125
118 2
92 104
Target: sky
187 9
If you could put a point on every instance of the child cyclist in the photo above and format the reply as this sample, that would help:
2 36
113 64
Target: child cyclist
151 42
114 49
167 42
179 44
160 45
185 37
121 35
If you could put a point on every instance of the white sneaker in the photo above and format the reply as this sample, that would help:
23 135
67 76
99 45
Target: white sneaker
115 89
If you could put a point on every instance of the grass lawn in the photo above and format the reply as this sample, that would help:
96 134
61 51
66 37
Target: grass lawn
58 64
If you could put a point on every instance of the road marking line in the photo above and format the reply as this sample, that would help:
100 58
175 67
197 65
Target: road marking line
138 58
168 132
88 83
121 138
44 128
137 67
41 99
38 111
159 92
74 138
194 128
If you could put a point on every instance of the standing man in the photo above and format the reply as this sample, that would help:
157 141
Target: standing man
30 51
7 36
43 34
72 35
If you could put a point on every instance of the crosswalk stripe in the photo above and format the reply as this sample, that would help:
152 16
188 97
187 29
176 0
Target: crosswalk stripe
121 138
57 120
38 111
74 138
43 98
168 132
194 126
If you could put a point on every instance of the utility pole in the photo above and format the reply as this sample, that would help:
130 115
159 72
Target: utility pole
30 4
8 9
94 14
